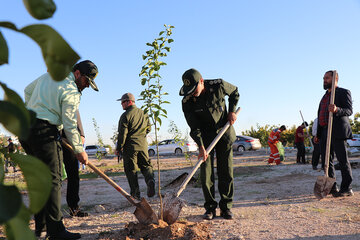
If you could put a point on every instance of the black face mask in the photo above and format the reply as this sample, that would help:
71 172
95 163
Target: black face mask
327 86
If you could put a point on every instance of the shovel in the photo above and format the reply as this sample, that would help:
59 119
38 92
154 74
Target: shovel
172 203
324 183
143 211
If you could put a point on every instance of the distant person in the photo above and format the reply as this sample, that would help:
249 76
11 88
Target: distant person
272 141
299 142
10 149
206 113
55 103
133 127
316 151
72 172
341 130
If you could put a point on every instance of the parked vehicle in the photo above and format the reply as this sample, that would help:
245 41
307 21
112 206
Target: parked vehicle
246 143
354 142
93 149
169 146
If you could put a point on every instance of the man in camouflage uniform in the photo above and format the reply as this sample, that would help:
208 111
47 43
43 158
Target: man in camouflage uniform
132 143
205 112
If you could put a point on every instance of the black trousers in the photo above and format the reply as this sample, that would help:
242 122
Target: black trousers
316 154
72 170
300 156
44 143
339 147
224 166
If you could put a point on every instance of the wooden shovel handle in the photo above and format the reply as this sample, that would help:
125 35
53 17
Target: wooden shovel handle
329 129
208 150
104 176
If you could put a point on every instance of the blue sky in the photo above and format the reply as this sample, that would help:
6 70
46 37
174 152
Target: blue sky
275 52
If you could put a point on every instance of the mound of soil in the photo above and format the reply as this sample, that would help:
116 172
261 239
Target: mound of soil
180 230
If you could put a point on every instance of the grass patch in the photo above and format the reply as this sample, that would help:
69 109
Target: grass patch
95 175
21 185
318 210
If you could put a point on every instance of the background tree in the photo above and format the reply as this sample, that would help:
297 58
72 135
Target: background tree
179 139
153 95
100 141
355 124
59 59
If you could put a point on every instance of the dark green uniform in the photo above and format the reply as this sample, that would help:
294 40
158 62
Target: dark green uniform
206 115
133 127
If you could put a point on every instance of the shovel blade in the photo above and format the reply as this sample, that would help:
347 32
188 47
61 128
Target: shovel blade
323 186
171 208
144 213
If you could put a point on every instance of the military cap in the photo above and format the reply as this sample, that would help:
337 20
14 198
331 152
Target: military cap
190 79
127 97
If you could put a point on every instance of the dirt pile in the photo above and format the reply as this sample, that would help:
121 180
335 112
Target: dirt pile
180 230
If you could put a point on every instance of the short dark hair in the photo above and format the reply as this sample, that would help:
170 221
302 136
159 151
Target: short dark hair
332 73
283 127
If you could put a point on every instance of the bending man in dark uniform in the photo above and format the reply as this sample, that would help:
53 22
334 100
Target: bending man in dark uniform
341 130
205 112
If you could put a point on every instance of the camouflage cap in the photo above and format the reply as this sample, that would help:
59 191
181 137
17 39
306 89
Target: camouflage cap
90 70
190 79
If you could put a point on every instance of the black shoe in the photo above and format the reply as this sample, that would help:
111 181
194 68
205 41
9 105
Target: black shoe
136 197
314 168
76 212
226 214
209 214
64 235
348 193
150 188
334 191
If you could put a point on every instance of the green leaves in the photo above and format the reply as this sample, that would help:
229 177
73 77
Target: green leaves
40 9
13 119
58 55
18 227
13 113
4 50
38 179
10 202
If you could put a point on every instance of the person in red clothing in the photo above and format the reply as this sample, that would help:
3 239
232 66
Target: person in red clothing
299 142
272 140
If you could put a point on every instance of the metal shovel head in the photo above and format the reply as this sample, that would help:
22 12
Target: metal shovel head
172 206
144 213
323 186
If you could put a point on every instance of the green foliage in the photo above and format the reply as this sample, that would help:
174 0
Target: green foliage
114 137
154 93
58 55
355 124
177 136
40 9
9 205
99 137
263 132
59 58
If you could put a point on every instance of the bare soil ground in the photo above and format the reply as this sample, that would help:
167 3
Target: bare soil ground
271 202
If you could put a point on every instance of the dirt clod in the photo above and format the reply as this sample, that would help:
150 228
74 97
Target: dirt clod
180 230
